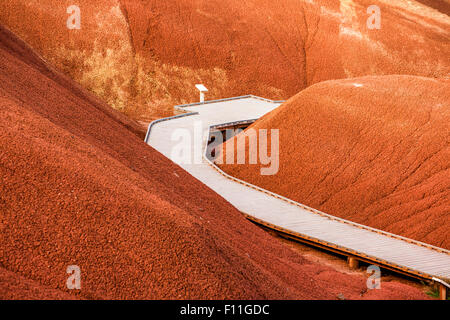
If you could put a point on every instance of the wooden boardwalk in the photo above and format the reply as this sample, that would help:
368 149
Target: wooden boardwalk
286 216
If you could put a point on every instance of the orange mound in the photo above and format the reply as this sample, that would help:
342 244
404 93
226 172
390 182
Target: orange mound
143 57
374 150
79 188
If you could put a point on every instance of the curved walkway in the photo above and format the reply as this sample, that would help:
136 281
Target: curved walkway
284 215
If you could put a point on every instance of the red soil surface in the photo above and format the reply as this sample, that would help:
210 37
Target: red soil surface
373 150
144 56
441 5
15 287
78 187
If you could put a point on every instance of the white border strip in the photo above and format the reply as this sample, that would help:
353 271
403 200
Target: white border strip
182 106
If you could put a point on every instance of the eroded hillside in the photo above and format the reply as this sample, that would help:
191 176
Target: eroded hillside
144 56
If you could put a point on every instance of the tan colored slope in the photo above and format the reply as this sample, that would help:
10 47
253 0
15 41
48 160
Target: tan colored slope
143 57
374 150
99 56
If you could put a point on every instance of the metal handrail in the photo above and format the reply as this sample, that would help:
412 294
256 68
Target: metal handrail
441 282
181 106
151 124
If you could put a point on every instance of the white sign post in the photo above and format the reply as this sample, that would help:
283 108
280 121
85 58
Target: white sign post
202 90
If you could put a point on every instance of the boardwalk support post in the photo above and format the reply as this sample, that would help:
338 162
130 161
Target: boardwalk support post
353 263
442 292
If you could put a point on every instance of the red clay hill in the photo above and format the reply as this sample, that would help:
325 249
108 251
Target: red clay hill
79 187
144 56
374 150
